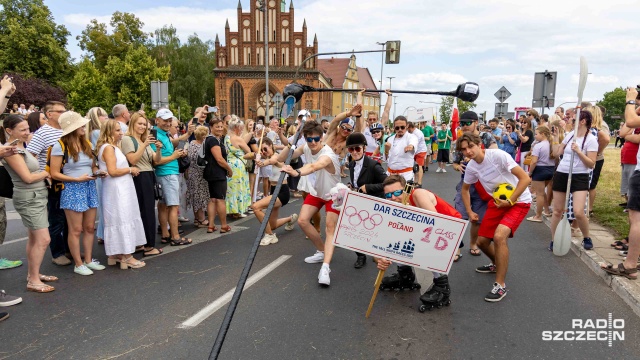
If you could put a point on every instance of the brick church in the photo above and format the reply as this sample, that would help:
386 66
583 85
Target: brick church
240 72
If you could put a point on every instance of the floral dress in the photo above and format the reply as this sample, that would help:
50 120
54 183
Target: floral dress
238 192
197 186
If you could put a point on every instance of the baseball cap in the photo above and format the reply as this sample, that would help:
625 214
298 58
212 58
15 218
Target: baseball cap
469 115
164 114
349 122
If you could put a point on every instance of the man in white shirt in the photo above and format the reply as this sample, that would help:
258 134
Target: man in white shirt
121 115
421 152
491 168
400 149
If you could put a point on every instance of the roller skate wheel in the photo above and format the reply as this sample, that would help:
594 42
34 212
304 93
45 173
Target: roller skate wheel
423 308
416 287
448 303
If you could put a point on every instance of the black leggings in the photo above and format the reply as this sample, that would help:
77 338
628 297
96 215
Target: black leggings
144 184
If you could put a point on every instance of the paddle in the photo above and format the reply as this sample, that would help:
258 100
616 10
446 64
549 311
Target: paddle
562 237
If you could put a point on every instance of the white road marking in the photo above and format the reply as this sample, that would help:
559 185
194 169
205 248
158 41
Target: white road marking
208 310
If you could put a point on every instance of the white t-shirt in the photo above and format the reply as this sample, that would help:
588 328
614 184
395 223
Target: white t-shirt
372 145
494 170
541 150
398 159
422 147
590 144
324 180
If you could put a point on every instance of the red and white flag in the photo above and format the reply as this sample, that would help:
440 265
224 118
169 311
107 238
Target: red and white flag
455 119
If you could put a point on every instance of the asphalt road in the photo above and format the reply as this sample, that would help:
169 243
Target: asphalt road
140 314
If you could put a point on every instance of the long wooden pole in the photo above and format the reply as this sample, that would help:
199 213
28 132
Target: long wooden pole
376 287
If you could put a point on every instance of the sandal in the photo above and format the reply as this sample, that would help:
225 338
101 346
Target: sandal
100 241
155 251
457 257
474 252
139 249
39 288
533 219
546 214
165 240
212 229
126 263
201 224
225 229
180 242
45 278
620 271
623 247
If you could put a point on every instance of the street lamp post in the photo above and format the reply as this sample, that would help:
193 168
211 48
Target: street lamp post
394 104
381 73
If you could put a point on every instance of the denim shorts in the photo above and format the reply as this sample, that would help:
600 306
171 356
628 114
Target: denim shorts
79 196
170 189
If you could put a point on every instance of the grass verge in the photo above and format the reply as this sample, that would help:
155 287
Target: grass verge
606 210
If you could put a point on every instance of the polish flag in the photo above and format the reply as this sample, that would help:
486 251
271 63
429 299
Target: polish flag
455 119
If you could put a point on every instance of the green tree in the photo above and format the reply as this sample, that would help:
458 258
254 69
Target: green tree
88 88
31 43
129 79
100 45
447 105
614 102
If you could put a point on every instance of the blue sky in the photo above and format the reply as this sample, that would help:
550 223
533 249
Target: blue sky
494 43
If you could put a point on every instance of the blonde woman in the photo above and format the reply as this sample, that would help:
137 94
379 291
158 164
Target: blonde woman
123 228
136 147
601 130
238 194
97 116
29 199
79 197
541 169
197 186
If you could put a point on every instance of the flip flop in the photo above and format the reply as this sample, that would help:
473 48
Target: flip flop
146 253
180 242
457 257
533 219
475 252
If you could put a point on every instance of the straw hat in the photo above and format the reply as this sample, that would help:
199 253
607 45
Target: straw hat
71 121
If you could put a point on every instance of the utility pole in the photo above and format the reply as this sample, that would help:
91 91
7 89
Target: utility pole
381 77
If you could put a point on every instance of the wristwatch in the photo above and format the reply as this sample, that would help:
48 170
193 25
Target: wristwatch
299 173
631 102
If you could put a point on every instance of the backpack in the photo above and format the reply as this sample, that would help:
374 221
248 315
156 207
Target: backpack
56 185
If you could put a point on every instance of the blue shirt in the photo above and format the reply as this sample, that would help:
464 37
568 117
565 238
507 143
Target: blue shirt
170 168
72 168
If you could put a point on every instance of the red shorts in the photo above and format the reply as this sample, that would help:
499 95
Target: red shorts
510 217
419 158
319 203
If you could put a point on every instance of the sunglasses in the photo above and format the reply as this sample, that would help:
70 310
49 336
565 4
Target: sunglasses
345 128
396 193
466 123
355 148
376 131
312 139
400 128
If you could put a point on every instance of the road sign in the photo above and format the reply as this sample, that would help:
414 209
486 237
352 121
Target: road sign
544 89
502 94
159 94
501 109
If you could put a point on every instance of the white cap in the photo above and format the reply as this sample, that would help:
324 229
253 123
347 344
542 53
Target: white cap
164 114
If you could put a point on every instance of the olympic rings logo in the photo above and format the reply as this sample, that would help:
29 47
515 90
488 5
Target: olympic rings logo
356 218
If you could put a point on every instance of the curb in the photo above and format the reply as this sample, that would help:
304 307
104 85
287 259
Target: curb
628 290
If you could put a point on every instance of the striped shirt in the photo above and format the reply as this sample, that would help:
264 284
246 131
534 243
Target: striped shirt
42 139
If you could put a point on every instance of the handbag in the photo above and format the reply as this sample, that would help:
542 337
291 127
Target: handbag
518 154
158 194
183 164
527 159
6 184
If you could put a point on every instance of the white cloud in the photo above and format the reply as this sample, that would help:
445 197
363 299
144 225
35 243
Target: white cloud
429 81
508 80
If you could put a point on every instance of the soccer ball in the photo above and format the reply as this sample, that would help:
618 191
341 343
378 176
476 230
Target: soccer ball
503 191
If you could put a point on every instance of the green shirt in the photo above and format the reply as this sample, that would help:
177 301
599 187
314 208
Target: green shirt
170 168
428 133
442 134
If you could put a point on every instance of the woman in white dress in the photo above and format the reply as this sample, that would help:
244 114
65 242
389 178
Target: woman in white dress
123 229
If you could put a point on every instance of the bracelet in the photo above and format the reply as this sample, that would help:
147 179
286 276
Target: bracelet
510 202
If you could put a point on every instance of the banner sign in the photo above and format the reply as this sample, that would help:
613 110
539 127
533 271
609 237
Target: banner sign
401 233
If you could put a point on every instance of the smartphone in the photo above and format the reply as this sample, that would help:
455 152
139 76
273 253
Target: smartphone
194 121
154 133
47 182
96 174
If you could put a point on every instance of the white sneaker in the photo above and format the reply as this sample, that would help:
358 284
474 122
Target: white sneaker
439 170
318 257
274 238
323 275
82 270
266 240
444 170
292 223
94 265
